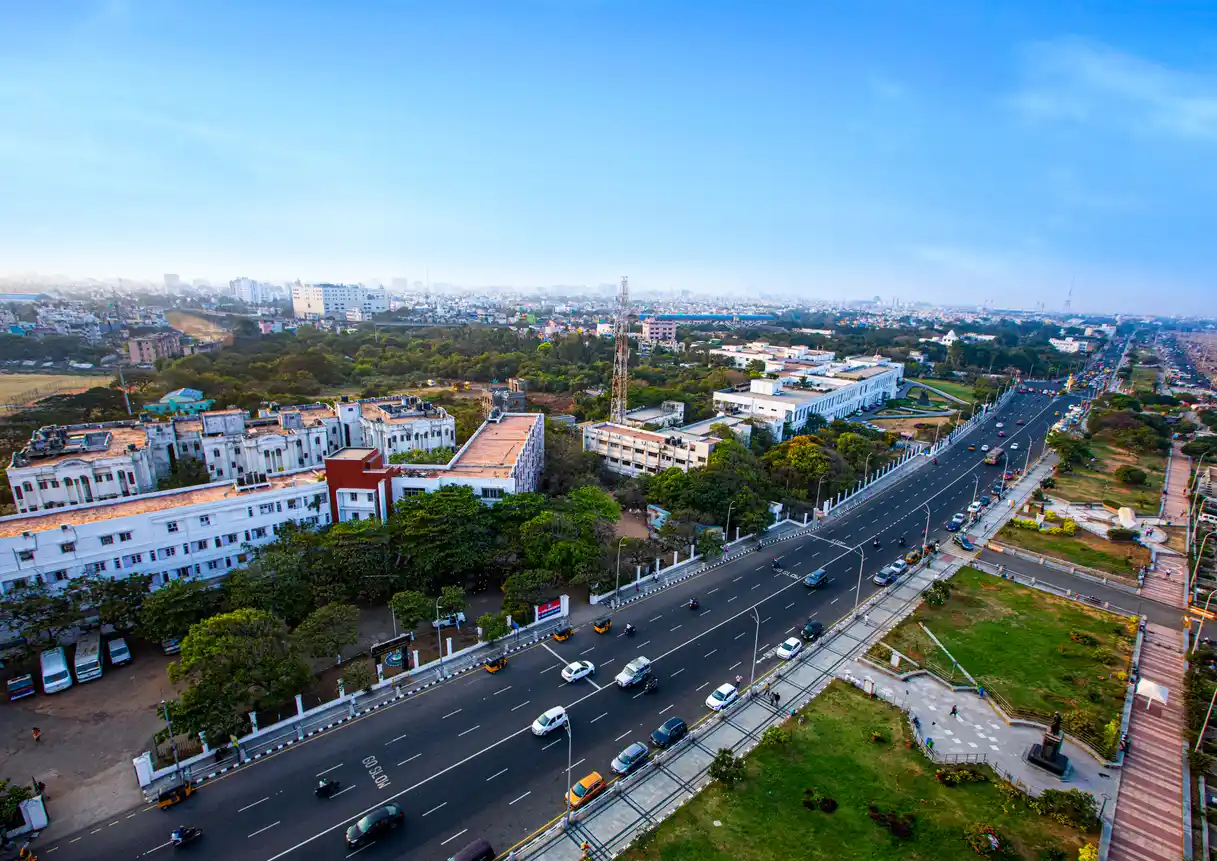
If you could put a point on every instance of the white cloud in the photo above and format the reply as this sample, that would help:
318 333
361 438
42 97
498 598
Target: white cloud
1078 81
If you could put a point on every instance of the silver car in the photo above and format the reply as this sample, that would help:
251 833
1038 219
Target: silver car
630 758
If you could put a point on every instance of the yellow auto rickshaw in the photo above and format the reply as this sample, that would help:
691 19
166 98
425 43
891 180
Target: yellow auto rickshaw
913 556
564 633
167 798
603 625
496 663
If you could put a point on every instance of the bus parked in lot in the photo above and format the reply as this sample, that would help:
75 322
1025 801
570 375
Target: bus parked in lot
995 455
88 657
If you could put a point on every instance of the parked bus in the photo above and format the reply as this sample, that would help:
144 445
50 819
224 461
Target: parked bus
88 657
995 455
55 674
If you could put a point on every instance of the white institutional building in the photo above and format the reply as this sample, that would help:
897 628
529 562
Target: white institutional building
341 301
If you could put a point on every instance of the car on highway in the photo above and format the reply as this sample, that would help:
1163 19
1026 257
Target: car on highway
1001 433
789 648
670 731
964 542
549 721
630 758
899 566
985 501
815 578
634 672
721 697
1013 446
975 508
972 448
984 447
999 425
577 670
373 826
811 631
885 576
1019 422
956 522
586 789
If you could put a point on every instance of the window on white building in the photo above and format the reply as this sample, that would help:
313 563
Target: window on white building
171 526
68 547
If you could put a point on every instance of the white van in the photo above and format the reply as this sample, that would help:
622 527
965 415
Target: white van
88 657
55 675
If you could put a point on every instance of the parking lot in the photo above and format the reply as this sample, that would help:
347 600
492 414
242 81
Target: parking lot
90 733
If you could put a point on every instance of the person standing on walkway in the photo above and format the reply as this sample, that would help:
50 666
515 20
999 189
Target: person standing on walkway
954 711
37 735
929 742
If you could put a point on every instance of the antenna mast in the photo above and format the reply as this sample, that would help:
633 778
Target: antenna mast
621 362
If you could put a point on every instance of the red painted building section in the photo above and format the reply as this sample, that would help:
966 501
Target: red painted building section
358 469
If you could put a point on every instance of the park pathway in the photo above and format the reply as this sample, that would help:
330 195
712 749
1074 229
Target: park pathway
1149 818
1167 582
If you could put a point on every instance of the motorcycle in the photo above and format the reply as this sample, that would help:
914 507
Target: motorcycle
630 630
901 540
187 835
651 686
326 788
777 566
693 604
877 543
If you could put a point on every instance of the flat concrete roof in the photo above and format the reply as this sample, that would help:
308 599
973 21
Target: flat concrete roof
350 454
120 438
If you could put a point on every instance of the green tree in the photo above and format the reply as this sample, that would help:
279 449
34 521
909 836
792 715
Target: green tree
236 662
1069 449
117 601
169 612
40 613
327 630
593 502
443 538
186 472
854 448
439 455
493 625
11 796
357 675
727 768
411 608
452 600
710 544
1128 474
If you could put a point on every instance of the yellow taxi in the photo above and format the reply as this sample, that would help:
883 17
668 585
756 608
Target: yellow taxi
585 790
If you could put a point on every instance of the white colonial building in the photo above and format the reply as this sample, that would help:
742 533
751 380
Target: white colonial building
315 301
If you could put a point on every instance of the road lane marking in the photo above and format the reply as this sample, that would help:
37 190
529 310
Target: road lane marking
703 612
504 690
729 669
546 647
757 586
521 798
766 619
339 792
150 851
678 672
390 741
678 626
643 645
712 591
791 604
260 830
656 619
466 732
579 763
669 708
454 836
706 685
548 746
791 628
255 804
450 714
585 651
328 770
737 579
411 759
732 598
521 705
835 600
493 776
737 636
433 809
593 720
709 653
623 735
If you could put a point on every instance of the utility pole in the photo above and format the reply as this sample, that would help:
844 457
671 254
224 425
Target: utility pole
122 382
621 360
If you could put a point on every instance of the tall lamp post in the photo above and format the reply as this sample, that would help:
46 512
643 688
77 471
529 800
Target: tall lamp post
177 766
925 540
861 564
866 468
439 632
617 589
755 646
727 528
975 487
1199 557
570 746
819 484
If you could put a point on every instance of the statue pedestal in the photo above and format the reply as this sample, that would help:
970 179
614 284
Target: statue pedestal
1048 756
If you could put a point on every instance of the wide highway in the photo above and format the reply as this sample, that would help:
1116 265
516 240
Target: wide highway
460 758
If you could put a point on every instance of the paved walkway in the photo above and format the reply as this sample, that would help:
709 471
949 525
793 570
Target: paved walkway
978 730
1168 581
1149 818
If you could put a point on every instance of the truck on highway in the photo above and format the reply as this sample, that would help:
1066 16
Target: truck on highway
995 455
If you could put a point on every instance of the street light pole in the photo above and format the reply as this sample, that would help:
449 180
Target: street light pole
439 632
925 541
177 766
755 646
861 564
975 487
570 746
1199 556
819 484
866 468
617 589
727 528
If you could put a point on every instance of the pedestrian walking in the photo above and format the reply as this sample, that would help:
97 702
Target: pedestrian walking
929 743
954 711
777 698
37 735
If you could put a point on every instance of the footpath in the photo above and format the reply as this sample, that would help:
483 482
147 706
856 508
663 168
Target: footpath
1167 582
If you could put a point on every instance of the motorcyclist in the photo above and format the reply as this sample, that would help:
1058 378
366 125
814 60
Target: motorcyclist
877 542
178 835
629 629
777 565
693 604
901 540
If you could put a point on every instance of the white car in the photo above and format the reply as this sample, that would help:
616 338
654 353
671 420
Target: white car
723 696
1013 446
550 721
635 671
789 648
578 670
984 447
1000 425
899 567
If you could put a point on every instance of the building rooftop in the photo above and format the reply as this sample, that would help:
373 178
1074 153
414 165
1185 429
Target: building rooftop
83 444
167 500
491 452
351 454
785 398
865 373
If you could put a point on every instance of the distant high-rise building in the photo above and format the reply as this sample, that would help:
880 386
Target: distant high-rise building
313 301
173 282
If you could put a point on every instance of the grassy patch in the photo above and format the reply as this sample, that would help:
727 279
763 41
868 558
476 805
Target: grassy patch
763 818
1082 548
959 390
1144 379
1016 641
38 386
1096 483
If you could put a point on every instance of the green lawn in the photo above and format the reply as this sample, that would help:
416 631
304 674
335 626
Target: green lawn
763 818
959 390
1083 548
1085 484
1145 379
1017 641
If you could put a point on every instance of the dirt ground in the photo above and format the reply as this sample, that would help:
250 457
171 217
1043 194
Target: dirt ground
633 524
907 425
90 733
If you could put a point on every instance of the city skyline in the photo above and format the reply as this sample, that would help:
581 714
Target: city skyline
943 154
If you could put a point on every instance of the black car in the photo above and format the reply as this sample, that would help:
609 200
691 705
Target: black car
375 824
672 731
812 631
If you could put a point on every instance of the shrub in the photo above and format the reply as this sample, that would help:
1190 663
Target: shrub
1069 526
357 675
828 805
1130 475
962 774
775 736
938 594
727 768
1086 639
1089 852
877 737
1119 533
985 840
1104 655
1070 807
900 826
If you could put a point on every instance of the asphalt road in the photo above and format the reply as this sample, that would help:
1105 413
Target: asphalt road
461 758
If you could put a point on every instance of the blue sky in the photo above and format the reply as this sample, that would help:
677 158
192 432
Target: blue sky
950 151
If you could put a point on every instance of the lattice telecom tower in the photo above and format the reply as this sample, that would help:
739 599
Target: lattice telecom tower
621 362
